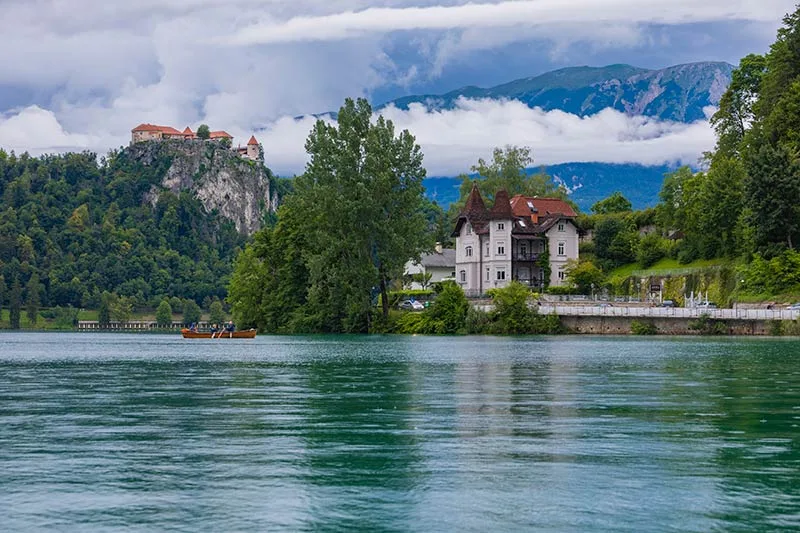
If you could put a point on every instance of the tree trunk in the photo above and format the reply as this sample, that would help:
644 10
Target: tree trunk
384 298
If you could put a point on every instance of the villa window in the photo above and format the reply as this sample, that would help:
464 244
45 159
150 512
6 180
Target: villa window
463 276
501 275
561 247
469 229
560 226
561 275
488 276
523 249
468 251
488 250
501 226
501 248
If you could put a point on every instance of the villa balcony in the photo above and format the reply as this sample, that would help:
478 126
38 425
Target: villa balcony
532 283
528 256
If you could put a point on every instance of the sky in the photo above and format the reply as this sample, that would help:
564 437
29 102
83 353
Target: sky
80 74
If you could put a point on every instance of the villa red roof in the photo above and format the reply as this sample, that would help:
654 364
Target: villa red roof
544 206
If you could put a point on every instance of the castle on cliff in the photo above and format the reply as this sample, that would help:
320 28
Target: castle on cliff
152 132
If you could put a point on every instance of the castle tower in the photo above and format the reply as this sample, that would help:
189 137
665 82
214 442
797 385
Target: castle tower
252 148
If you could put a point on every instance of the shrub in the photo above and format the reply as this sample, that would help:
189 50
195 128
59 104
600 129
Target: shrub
775 328
478 322
705 325
651 250
643 327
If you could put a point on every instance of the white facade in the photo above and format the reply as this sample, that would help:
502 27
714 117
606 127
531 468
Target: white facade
494 259
440 265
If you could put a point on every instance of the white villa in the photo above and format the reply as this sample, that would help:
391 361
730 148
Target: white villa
441 265
508 242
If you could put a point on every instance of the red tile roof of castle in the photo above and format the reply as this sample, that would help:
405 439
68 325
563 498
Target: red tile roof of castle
169 130
543 206
188 131
219 135
252 140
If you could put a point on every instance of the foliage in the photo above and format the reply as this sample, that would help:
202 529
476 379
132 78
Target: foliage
191 312
85 227
104 311
507 170
705 325
216 314
584 276
651 250
615 242
772 276
15 303
616 203
120 308
32 298
356 217
446 315
643 327
203 132
164 314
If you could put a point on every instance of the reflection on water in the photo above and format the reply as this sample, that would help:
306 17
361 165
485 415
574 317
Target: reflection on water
142 433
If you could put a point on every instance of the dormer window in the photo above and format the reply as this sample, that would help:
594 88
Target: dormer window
560 226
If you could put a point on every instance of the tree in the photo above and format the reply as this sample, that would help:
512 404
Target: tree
584 276
2 294
226 142
615 242
616 203
164 314
33 298
15 303
216 313
508 170
104 311
203 132
191 312
363 195
651 250
121 309
735 113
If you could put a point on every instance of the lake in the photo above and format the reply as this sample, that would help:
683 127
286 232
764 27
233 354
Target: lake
114 432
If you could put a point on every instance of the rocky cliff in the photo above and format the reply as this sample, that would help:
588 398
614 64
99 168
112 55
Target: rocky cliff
238 189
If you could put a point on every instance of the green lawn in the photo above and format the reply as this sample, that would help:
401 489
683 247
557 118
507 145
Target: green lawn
664 267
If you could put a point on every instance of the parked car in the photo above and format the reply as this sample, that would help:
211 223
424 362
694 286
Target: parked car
794 307
667 303
707 305
411 305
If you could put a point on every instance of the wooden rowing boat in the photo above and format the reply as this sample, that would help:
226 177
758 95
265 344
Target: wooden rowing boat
246 334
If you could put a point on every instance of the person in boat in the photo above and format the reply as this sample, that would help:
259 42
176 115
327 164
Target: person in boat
193 327
229 327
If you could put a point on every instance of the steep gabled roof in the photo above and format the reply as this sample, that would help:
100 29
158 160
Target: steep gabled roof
188 131
252 140
502 208
521 206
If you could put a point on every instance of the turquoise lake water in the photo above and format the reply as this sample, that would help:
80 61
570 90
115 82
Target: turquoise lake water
111 432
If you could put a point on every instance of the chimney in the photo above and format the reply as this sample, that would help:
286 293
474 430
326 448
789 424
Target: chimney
438 247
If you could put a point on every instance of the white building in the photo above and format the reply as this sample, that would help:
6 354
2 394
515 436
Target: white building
441 265
514 240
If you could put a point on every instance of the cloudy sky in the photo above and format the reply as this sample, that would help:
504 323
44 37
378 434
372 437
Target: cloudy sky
79 74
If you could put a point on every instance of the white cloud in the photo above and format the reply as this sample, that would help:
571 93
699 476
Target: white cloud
453 140
528 13
37 131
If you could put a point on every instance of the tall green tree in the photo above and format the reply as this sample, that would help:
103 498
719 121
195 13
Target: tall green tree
363 188
191 312
216 313
2 294
15 303
508 170
33 298
104 310
203 132
164 314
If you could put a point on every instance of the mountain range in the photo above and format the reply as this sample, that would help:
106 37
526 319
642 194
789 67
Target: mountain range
681 93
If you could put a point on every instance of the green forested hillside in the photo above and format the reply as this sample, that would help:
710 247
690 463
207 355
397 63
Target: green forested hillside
73 226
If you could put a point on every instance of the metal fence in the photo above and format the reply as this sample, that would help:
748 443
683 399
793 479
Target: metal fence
669 312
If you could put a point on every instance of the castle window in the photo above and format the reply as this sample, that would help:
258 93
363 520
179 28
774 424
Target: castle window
468 251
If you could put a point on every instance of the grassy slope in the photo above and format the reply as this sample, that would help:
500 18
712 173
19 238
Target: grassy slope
664 267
